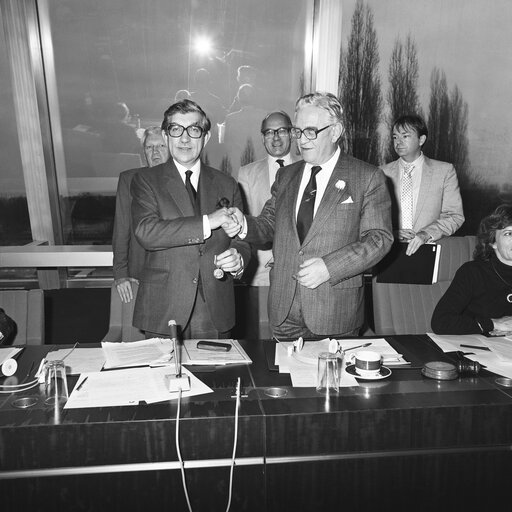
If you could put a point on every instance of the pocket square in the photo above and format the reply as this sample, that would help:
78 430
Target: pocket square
349 200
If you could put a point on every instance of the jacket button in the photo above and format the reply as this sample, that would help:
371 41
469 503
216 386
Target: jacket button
194 280
301 253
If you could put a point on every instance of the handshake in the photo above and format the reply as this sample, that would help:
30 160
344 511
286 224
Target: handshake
230 219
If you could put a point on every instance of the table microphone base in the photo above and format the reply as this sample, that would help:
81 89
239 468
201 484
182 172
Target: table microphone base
175 383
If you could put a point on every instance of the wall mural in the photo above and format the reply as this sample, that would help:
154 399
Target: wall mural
447 60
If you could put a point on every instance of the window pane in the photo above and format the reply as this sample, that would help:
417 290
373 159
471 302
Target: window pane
120 64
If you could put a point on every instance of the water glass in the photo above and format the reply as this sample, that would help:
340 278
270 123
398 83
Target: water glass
55 382
329 372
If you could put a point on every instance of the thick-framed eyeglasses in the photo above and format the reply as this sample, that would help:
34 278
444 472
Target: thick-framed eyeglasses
176 130
309 133
280 132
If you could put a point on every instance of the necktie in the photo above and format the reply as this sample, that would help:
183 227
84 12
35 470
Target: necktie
191 192
307 205
280 161
406 197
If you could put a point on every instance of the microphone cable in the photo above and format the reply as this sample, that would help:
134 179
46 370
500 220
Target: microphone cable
182 468
237 406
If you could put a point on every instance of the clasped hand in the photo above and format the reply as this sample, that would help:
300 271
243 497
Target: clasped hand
229 261
312 273
228 219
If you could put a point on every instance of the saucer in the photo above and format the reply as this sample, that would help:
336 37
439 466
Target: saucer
384 373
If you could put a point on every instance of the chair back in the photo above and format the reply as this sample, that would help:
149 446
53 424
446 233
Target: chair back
26 308
408 308
121 317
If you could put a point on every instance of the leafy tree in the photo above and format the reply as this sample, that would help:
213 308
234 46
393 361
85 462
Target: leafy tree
360 92
402 96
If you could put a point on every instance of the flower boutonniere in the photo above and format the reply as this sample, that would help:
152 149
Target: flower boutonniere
340 185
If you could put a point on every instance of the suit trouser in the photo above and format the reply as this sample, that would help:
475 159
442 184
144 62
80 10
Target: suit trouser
200 324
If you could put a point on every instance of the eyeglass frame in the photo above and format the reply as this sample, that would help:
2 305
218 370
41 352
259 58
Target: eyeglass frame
183 129
316 131
266 133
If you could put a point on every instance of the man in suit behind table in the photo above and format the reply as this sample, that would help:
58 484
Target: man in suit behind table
256 180
176 216
430 207
329 218
128 253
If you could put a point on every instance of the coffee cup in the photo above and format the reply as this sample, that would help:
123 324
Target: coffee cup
368 363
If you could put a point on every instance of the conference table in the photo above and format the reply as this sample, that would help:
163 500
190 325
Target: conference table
404 443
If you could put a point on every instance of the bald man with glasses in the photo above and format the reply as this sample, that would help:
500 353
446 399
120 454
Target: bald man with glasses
329 219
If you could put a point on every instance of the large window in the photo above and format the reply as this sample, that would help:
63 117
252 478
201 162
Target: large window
120 64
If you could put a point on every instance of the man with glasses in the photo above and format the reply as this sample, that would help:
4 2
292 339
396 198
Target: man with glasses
329 218
255 180
177 210
128 253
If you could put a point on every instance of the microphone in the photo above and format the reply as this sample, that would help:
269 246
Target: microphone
177 381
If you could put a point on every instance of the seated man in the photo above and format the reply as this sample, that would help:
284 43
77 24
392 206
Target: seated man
8 328
128 253
426 202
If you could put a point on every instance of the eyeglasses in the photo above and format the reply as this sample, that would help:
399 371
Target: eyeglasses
194 131
309 133
280 132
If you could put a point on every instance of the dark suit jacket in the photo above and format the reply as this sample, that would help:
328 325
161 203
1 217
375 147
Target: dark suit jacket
351 231
165 225
128 253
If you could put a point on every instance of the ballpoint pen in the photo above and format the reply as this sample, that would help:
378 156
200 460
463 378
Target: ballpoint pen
477 347
81 384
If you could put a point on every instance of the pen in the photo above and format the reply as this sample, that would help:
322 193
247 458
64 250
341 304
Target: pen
475 346
81 384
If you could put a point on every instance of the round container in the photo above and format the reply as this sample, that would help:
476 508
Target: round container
25 402
276 392
440 370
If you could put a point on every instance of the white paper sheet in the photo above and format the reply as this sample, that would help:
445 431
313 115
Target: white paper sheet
79 360
137 353
128 387
8 353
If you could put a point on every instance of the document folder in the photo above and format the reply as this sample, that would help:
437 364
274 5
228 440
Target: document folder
422 267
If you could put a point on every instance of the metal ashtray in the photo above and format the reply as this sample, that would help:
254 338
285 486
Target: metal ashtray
24 402
504 381
440 370
276 392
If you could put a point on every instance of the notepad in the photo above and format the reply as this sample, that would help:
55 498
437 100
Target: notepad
422 267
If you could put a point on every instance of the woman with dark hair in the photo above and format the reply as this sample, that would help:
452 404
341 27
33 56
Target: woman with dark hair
479 299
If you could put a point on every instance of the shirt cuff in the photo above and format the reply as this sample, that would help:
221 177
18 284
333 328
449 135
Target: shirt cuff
243 232
207 230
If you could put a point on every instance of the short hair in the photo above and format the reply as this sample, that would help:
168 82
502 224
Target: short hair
412 121
185 107
499 219
182 94
325 100
152 130
279 112
8 328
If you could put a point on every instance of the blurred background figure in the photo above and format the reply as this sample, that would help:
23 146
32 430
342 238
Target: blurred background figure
479 299
8 328
244 75
242 131
182 94
128 253
116 134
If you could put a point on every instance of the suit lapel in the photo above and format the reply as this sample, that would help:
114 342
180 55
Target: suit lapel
290 199
177 190
336 192
208 199
427 174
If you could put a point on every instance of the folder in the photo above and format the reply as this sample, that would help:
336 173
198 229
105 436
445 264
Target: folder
422 267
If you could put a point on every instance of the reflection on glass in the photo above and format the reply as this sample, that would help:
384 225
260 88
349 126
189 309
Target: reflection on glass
120 64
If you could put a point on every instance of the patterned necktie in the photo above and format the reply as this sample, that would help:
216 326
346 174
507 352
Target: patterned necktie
280 162
406 197
307 205
191 192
